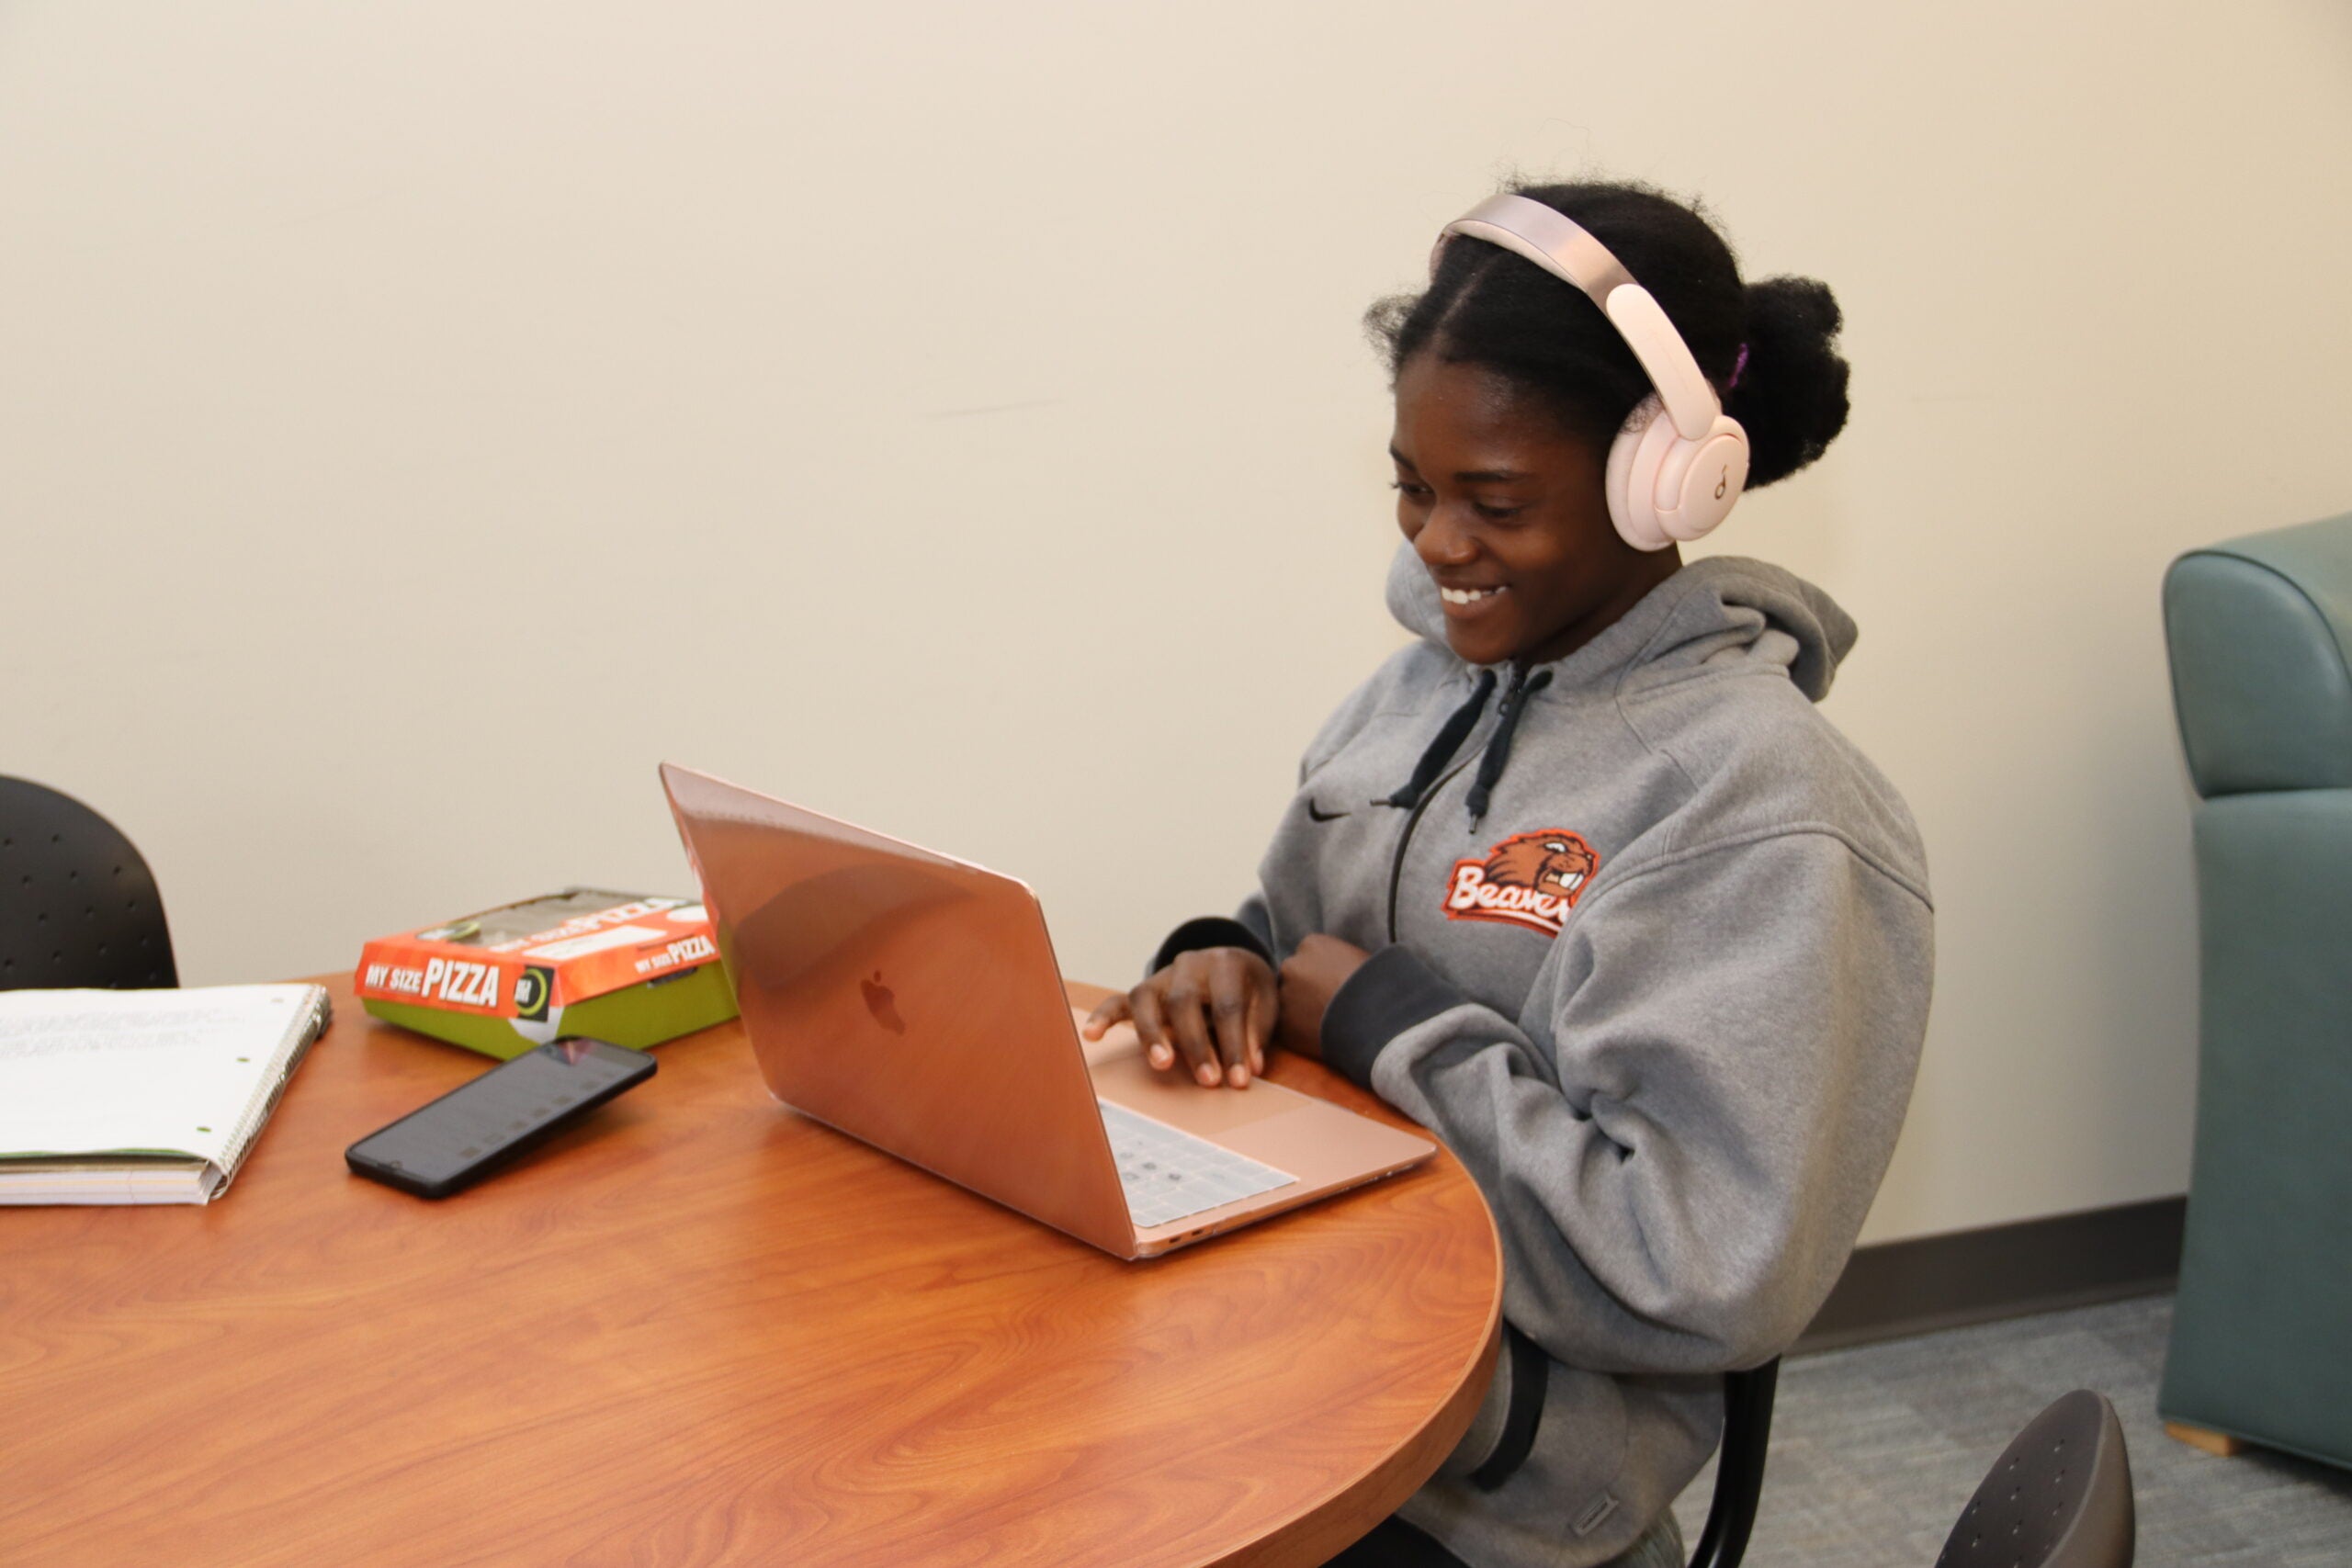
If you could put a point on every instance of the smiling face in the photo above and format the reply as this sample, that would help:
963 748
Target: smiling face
1507 509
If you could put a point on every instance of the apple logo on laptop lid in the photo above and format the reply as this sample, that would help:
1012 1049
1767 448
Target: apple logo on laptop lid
882 1003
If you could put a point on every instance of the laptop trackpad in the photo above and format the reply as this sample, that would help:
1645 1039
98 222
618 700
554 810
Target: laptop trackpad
1172 1097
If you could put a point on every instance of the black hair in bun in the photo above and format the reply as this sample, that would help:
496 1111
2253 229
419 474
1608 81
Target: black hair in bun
1772 344
1791 398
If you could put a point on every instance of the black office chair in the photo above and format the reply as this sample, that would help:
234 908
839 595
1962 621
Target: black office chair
2059 1497
78 906
1739 1469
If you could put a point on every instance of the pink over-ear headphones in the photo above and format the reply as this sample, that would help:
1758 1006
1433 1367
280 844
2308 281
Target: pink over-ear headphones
1677 465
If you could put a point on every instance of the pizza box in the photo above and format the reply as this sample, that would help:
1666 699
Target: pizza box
631 968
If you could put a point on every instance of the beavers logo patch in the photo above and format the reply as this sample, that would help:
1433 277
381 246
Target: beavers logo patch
1529 879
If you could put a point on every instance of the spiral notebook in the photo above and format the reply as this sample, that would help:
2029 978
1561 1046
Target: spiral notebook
143 1097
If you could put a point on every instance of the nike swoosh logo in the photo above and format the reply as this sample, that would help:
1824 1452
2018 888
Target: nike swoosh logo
1319 815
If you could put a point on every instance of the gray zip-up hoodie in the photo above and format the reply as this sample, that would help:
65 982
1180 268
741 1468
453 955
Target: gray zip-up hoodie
1651 954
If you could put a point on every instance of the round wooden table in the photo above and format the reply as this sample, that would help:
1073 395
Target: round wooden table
701 1329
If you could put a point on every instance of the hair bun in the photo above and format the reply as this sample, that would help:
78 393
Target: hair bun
1791 393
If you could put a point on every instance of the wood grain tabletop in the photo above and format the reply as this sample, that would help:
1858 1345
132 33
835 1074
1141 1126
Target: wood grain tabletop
700 1329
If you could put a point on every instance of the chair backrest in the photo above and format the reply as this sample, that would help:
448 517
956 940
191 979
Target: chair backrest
78 906
2259 631
1739 1470
2059 1497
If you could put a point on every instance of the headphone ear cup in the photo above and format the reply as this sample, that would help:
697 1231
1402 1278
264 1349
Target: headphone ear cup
1632 479
1702 478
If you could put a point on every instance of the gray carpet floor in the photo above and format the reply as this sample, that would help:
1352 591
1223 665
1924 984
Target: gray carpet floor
1876 1450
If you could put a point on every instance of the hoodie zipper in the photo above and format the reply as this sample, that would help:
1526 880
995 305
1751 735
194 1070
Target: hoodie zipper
1413 817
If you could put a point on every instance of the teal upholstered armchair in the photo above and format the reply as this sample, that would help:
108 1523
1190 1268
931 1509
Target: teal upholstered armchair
2260 635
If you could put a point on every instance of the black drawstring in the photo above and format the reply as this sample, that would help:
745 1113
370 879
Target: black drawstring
1490 766
1441 750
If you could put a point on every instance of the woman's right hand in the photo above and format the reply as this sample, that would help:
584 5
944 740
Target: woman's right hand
1215 1007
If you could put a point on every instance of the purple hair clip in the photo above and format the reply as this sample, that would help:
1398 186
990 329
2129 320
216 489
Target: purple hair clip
1738 365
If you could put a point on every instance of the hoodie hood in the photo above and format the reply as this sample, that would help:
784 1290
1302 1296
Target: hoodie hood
1715 610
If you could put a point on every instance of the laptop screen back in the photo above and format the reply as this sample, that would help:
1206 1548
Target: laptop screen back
906 998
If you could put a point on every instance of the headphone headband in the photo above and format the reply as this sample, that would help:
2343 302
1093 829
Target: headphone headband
1567 250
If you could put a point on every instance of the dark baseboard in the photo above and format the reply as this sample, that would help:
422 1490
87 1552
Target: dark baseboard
1900 1288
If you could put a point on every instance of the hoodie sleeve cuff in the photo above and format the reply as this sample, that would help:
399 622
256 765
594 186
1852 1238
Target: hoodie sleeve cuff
1209 931
1388 994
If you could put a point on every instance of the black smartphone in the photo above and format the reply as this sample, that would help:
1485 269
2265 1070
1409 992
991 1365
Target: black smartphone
455 1141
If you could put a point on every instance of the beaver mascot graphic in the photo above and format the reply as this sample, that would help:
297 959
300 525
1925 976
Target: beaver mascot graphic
1529 879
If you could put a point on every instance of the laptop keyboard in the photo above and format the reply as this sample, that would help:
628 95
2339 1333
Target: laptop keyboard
1168 1174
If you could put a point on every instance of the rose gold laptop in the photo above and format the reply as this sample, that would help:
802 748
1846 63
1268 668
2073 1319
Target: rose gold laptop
911 999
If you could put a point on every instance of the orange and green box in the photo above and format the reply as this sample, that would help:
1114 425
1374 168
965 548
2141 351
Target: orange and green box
634 969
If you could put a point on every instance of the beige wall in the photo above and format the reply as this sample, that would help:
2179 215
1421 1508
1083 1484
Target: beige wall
417 421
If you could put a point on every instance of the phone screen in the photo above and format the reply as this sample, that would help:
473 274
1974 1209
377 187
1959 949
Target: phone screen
442 1145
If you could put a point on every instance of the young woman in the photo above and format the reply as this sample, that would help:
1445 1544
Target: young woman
1581 881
